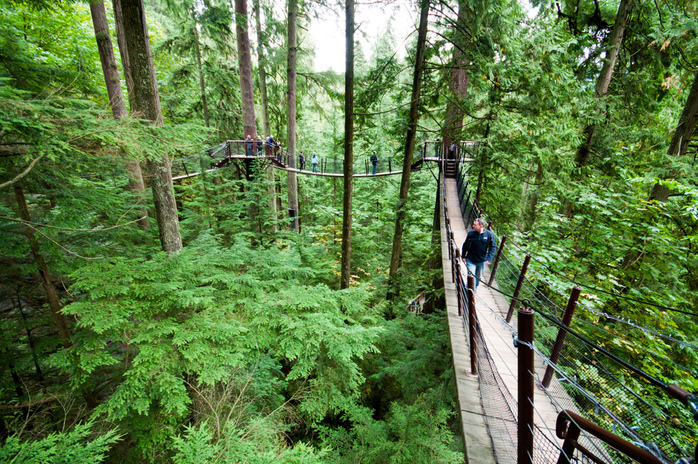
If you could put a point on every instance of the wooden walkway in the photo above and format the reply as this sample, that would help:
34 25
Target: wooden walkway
482 444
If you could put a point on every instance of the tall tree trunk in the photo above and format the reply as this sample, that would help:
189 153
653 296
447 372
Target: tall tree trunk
145 103
409 148
53 301
30 340
677 147
348 147
292 184
107 58
123 51
245 57
458 83
615 41
680 139
116 98
265 107
262 64
242 24
200 67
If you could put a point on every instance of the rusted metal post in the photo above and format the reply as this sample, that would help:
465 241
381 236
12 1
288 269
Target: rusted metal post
496 259
525 394
390 165
562 333
458 261
185 168
514 298
470 291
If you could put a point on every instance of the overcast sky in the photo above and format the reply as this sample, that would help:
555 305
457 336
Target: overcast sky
328 32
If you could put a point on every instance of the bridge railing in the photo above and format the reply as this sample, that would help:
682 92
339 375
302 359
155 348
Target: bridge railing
216 157
502 409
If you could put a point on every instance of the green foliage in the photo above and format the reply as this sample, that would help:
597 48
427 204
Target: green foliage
76 445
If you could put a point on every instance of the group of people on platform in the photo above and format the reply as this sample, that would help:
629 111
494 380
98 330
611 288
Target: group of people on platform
273 148
452 149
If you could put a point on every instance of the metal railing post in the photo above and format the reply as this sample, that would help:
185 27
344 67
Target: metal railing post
472 320
458 261
185 168
526 390
496 259
522 275
561 334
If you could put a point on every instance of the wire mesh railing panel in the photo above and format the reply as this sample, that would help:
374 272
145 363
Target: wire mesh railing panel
592 381
499 405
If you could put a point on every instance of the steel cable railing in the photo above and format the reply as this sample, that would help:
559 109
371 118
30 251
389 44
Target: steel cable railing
575 357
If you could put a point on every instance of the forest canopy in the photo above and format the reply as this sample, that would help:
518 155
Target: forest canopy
248 314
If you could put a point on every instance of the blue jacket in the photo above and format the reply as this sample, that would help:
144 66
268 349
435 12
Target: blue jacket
479 247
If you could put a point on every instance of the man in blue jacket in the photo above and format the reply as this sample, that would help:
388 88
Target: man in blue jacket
479 248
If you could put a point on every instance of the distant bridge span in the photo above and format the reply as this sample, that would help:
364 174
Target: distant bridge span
222 155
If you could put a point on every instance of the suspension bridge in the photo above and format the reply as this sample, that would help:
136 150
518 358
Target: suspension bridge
530 388
226 153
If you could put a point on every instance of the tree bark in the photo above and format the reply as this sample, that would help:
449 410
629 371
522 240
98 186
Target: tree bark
292 183
458 83
680 140
262 69
348 147
107 58
30 340
53 301
677 147
261 64
245 58
121 41
409 148
146 104
615 41
116 97
202 85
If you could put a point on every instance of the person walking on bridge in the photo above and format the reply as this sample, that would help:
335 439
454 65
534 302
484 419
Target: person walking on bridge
260 145
314 162
479 248
301 160
374 161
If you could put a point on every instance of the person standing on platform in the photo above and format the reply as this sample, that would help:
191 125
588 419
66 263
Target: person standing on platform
270 146
479 248
374 162
277 151
437 147
301 160
249 144
260 145
314 161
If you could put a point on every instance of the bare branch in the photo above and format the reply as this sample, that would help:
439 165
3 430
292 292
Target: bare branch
19 176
